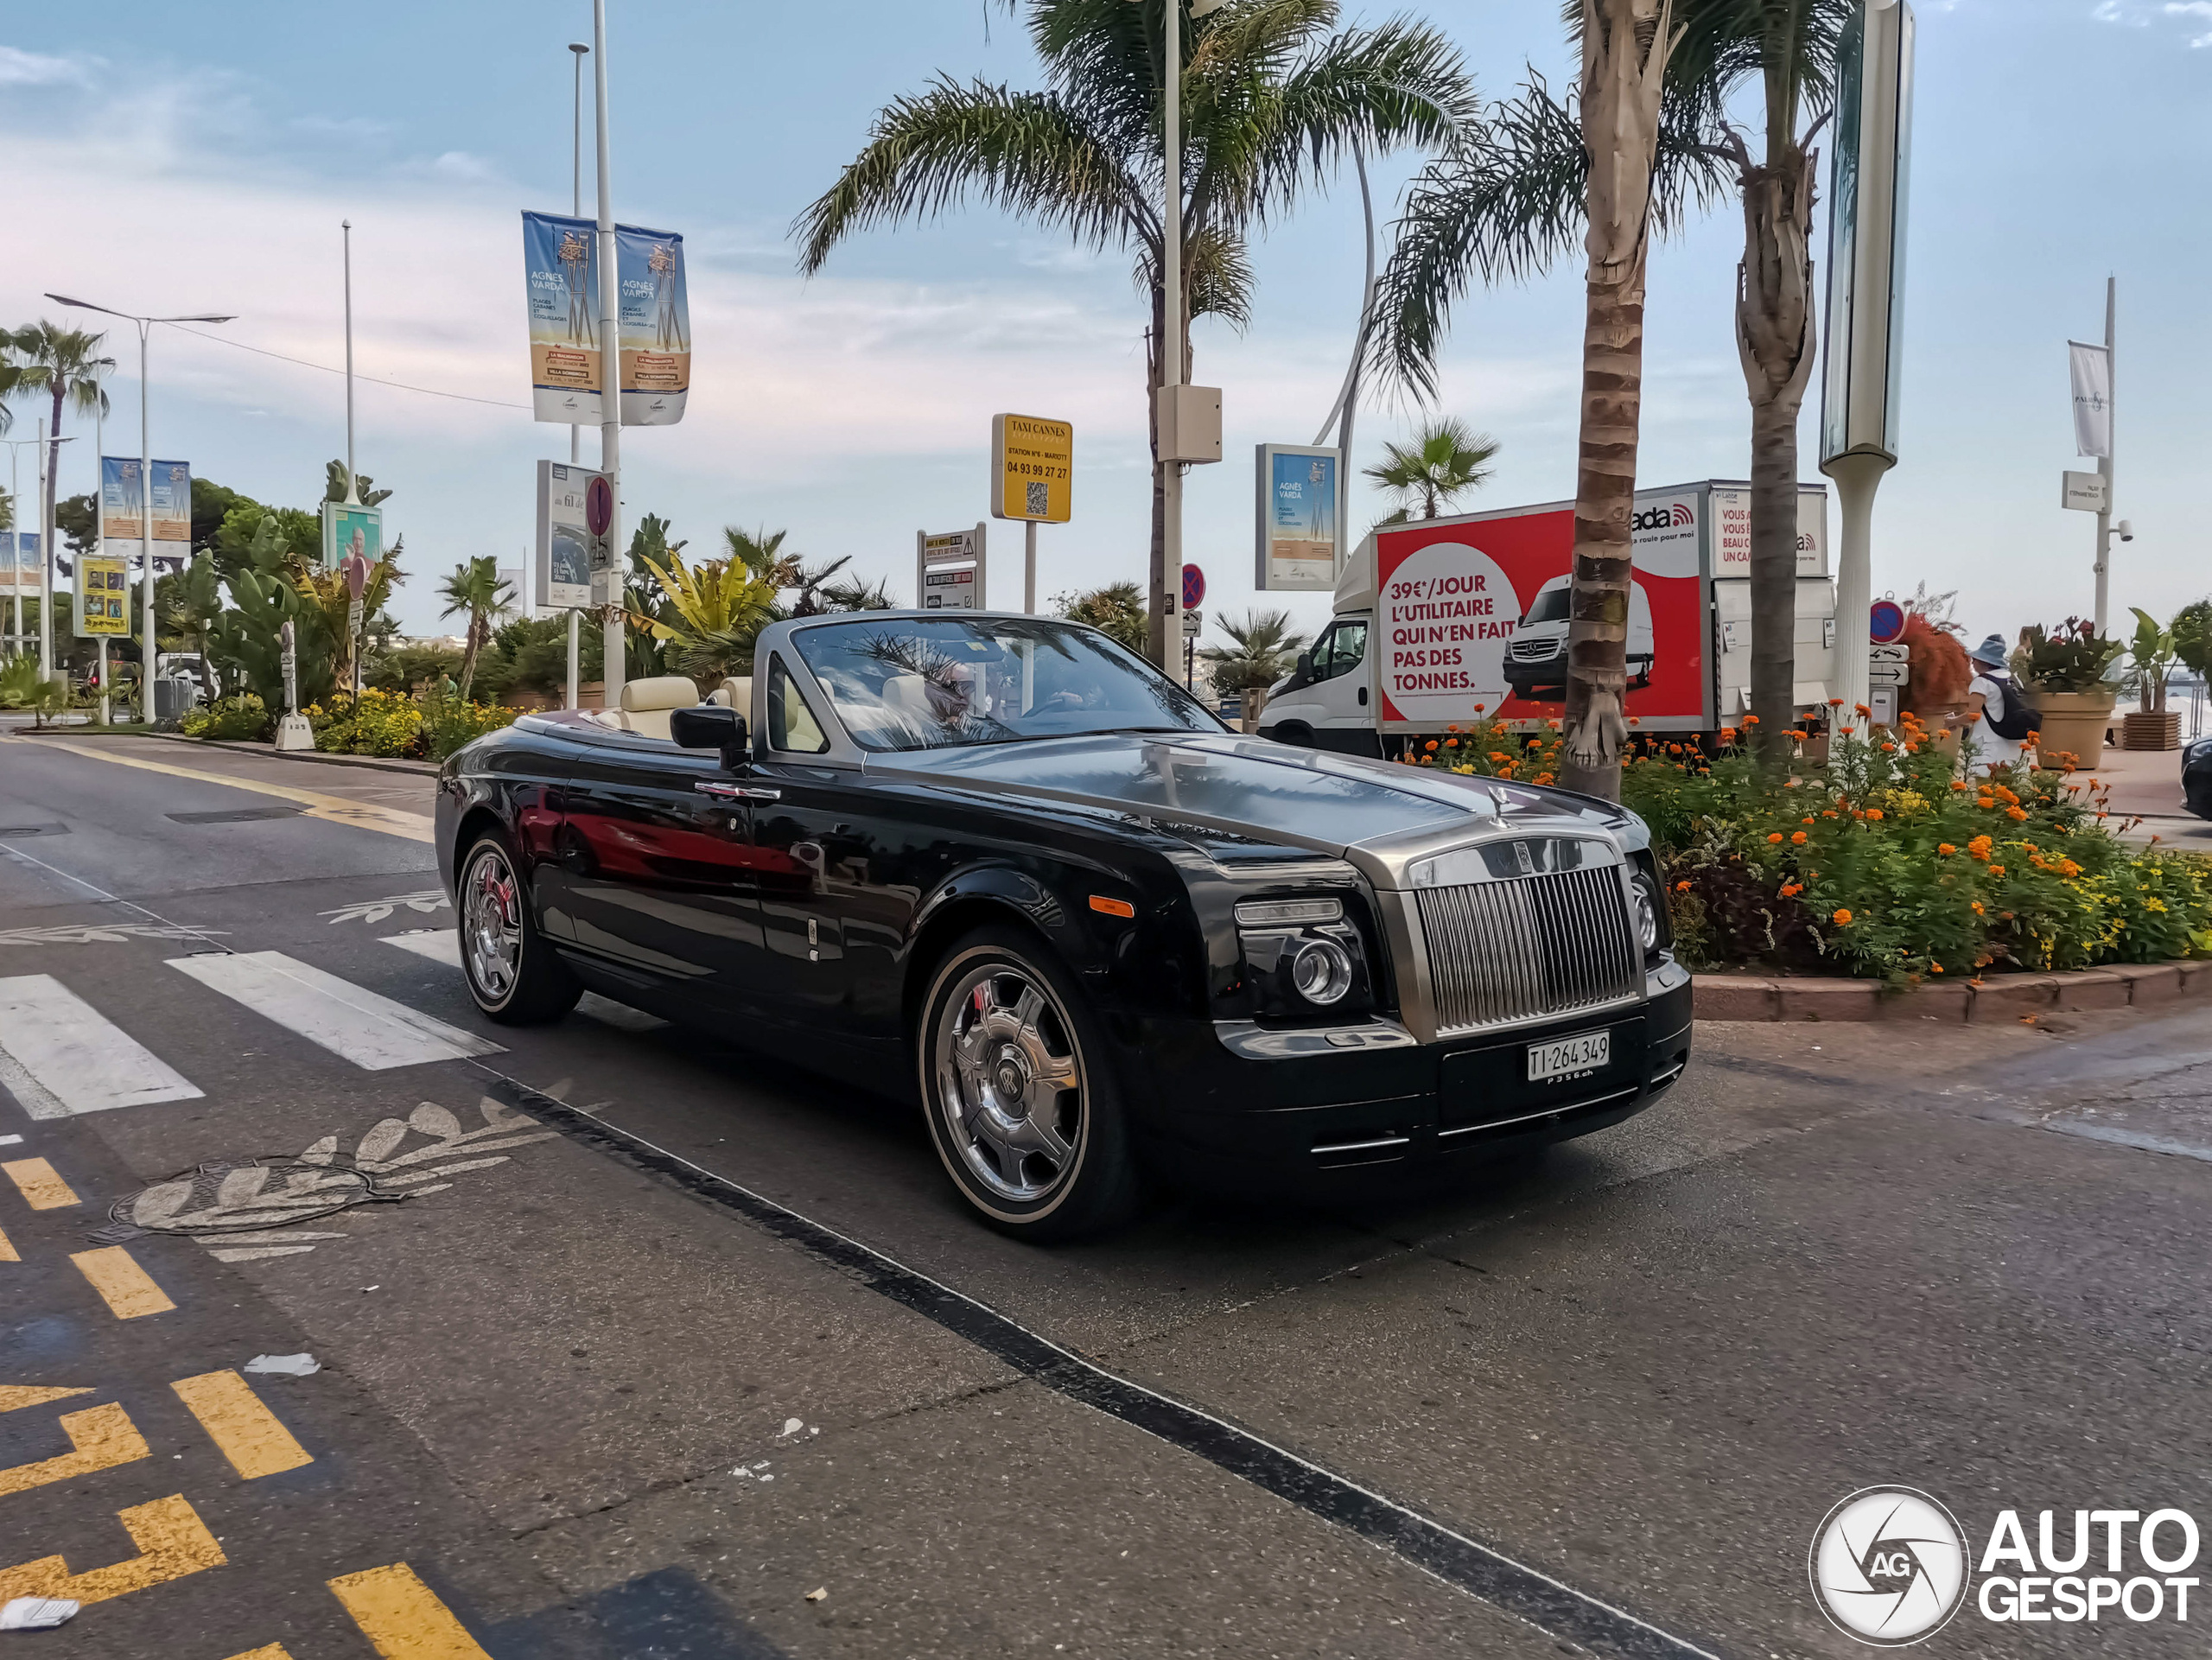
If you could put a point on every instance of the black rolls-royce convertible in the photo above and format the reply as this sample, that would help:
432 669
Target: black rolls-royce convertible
1003 864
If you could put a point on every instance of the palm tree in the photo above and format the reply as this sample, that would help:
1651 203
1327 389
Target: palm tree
714 613
1271 102
477 589
1624 154
64 365
1445 461
1790 48
1116 610
1263 650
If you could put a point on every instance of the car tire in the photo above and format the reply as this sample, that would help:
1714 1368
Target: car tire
513 975
1019 1091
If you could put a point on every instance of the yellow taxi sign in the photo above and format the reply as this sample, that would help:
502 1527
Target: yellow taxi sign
1033 469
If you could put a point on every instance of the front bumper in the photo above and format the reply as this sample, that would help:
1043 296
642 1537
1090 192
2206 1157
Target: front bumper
1229 1105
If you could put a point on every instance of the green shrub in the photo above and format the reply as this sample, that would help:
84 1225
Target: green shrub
382 723
448 723
244 716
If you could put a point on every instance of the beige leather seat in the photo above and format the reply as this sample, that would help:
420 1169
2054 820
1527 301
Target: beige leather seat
645 703
736 693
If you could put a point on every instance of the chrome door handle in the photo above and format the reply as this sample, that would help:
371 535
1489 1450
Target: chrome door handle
710 786
762 795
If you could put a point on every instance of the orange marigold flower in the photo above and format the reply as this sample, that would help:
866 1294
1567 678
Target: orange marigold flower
1798 837
1806 819
1936 967
1978 908
1874 812
1835 702
1945 849
2018 814
1997 870
1958 784
1636 719
1776 837
1791 890
1454 728
1431 746
1751 720
1543 777
1865 713
1843 918
1480 707
1681 887
1890 747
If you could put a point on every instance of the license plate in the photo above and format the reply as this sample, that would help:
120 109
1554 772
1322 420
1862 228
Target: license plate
1570 1057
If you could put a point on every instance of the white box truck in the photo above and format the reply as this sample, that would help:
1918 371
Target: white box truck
1438 621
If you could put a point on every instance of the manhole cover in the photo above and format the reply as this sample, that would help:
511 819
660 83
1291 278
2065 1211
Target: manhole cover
235 816
17 831
245 1195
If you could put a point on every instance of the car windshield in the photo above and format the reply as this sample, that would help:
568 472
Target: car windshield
928 683
1550 607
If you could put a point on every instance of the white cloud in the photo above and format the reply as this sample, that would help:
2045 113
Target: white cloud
20 68
2192 8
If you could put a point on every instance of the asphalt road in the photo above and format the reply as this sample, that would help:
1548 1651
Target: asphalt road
640 1339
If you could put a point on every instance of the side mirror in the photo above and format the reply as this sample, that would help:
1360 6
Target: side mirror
711 726
1303 674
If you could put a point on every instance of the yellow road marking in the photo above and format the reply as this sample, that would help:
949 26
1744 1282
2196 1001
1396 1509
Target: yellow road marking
403 1618
127 1288
103 1437
42 1187
336 809
171 1542
251 1436
14 1396
7 1255
273 1652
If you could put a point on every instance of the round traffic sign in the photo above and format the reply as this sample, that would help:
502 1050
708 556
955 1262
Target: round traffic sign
1194 587
599 505
1885 621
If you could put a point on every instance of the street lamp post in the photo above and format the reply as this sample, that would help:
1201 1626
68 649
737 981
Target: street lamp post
576 211
610 371
145 481
15 448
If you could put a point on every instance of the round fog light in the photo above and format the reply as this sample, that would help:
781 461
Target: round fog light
1320 971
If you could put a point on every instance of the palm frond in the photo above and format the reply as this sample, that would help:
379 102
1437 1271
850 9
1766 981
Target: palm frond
1028 154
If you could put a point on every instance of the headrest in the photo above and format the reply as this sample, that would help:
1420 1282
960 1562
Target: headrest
736 693
662 691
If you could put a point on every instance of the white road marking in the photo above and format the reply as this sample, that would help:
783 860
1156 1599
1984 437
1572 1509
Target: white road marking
428 900
444 945
60 1056
354 1024
11 1140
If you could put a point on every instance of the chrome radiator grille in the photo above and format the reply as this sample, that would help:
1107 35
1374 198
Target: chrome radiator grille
1506 952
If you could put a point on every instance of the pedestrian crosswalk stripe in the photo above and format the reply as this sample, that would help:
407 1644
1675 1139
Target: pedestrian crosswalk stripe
74 1059
237 1420
353 1023
128 1289
40 1184
444 945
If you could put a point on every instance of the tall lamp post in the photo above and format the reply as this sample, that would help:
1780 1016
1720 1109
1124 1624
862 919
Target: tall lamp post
576 211
145 480
610 370
16 446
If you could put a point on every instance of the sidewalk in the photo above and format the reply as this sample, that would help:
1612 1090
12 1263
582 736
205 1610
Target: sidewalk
2147 783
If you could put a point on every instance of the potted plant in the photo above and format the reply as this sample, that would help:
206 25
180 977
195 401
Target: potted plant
2061 673
2150 659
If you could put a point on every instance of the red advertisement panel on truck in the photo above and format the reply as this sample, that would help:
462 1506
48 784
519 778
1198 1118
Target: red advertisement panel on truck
1474 612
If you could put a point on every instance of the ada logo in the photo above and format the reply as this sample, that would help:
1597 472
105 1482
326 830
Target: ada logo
1662 519
1889 1566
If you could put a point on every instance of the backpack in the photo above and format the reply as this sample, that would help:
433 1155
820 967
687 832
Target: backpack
2019 721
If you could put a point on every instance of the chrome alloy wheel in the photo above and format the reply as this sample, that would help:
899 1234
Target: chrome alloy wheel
1009 1082
491 923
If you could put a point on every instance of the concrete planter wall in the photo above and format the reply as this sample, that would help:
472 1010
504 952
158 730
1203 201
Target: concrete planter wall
2161 730
2073 723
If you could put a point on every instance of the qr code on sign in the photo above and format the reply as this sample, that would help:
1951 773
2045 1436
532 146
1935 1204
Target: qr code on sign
1040 502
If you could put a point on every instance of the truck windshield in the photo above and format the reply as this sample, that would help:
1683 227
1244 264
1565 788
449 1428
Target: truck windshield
927 683
1550 607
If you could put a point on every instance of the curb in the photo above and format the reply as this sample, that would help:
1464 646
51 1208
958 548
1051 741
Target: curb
2005 998
365 763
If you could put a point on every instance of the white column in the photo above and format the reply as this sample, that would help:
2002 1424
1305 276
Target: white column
2104 462
610 360
145 534
1857 476
39 463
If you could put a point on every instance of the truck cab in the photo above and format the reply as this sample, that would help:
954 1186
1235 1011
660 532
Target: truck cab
1327 701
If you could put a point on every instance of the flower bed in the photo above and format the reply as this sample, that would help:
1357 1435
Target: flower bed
393 724
1884 863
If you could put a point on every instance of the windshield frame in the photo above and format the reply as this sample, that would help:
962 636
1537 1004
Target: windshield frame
845 743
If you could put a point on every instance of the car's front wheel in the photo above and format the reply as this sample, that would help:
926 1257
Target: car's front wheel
1021 1100
512 973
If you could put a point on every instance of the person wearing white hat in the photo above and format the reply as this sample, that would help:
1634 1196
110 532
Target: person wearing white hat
1994 707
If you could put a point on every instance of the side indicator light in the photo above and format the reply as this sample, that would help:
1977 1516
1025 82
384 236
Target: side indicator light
1100 903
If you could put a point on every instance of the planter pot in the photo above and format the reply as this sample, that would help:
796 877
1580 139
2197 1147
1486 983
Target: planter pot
2073 724
2159 730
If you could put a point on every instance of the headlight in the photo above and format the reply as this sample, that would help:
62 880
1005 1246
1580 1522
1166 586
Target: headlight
1320 971
1647 914
1287 914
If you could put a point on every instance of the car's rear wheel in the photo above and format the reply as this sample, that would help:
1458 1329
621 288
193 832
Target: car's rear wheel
1020 1098
512 973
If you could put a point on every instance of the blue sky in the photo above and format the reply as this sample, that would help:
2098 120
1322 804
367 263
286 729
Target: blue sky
155 167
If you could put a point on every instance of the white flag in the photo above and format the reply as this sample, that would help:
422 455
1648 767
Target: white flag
2092 366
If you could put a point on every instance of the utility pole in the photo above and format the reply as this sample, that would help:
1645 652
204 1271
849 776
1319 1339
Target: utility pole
578 49
353 490
1168 564
610 373
2112 443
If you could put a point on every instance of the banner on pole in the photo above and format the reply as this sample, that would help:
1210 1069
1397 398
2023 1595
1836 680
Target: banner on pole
2091 368
102 609
656 313
1297 515
122 512
561 273
349 530
19 563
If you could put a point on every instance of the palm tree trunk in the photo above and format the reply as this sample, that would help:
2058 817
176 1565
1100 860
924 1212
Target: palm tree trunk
1604 501
1774 338
1625 46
